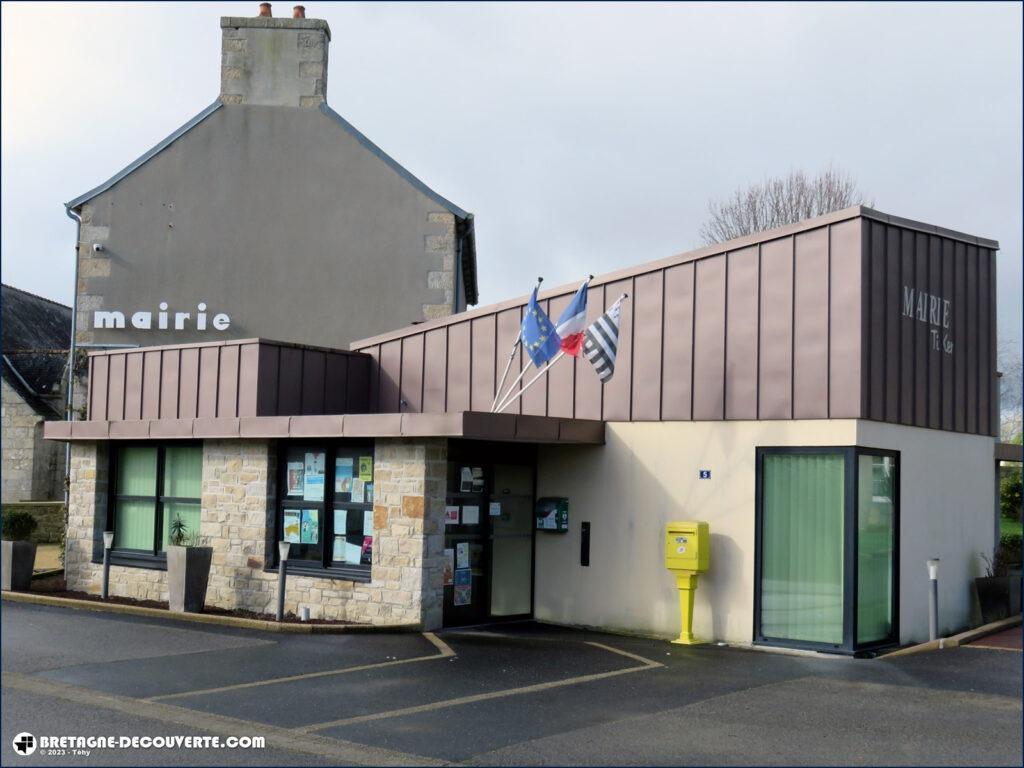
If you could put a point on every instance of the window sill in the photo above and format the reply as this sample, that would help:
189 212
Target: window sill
135 560
296 568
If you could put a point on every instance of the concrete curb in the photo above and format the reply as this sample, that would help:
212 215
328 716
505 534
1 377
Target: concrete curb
957 640
46 574
207 618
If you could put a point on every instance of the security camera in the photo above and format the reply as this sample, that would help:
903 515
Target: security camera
98 247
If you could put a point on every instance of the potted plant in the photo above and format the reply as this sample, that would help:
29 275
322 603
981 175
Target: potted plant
19 554
188 568
998 590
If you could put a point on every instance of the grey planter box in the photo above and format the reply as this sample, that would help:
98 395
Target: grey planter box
998 597
18 558
188 572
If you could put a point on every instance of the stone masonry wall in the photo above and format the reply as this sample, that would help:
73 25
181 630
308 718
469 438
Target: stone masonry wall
33 469
238 509
440 253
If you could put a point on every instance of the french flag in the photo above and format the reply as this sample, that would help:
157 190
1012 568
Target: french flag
573 322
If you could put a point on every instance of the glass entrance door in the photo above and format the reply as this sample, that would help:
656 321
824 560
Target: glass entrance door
510 510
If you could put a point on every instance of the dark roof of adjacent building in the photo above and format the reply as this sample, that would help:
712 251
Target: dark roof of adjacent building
469 271
36 333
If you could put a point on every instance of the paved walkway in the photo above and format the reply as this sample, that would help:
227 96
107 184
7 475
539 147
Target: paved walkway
1007 640
515 694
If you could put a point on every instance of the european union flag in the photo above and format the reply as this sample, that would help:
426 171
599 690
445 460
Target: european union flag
540 340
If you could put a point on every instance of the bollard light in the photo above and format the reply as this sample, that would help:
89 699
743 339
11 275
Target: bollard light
933 599
108 542
933 569
282 570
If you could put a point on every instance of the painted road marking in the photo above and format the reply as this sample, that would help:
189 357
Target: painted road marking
444 652
337 751
646 664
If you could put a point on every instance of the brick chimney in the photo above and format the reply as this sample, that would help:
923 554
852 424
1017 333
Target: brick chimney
276 62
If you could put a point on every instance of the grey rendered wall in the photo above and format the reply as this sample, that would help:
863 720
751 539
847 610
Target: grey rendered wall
277 217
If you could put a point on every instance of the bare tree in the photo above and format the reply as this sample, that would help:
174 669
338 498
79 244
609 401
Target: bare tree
776 202
1011 383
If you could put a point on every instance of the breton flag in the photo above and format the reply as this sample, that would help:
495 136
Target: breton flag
602 341
573 322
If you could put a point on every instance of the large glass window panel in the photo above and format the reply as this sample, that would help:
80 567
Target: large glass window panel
876 541
183 471
133 524
188 513
802 547
136 471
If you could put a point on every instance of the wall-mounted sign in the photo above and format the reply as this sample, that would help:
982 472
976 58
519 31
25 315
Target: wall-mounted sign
113 319
932 310
552 514
705 474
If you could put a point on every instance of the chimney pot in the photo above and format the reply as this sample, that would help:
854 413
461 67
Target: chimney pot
299 12
265 9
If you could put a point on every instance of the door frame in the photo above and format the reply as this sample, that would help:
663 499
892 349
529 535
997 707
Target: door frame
851 548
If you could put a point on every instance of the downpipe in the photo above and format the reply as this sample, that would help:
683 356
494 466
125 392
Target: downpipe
69 403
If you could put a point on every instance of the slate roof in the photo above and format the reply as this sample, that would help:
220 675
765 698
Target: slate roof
36 333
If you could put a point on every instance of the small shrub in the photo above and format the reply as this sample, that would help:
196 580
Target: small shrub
18 526
1010 494
1010 544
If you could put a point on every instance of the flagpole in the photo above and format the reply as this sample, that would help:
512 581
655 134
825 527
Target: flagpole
512 386
508 365
511 399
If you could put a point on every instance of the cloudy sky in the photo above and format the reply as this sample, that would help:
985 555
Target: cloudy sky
584 137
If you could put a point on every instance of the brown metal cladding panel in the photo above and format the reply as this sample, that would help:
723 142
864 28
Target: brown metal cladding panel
908 331
560 376
412 373
935 355
151 385
170 362
946 364
269 380
810 325
709 340
874 298
336 383
115 388
248 379
846 301
358 384
984 364
648 316
482 383
960 337
133 386
209 375
617 396
775 387
289 387
677 363
893 334
227 386
742 317
314 366
99 387
508 331
993 357
971 339
920 334
373 380
534 400
435 370
390 373
588 386
458 367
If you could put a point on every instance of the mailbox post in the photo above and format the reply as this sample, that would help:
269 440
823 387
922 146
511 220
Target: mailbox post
687 554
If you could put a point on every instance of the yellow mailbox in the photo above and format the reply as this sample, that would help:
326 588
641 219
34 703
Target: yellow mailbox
687 553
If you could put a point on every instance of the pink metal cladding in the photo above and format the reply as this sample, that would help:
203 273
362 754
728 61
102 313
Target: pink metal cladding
804 322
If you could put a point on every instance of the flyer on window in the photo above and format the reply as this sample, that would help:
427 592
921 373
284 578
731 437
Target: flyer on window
310 526
358 490
470 515
463 595
451 515
366 469
449 567
313 481
462 554
343 474
366 556
292 525
478 480
466 480
294 478
368 522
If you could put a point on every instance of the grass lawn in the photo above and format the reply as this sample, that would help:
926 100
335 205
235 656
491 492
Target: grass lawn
1009 526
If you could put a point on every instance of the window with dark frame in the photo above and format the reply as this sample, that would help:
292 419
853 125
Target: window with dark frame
325 508
155 486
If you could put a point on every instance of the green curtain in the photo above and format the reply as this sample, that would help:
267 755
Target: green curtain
802 547
133 524
183 471
136 471
875 546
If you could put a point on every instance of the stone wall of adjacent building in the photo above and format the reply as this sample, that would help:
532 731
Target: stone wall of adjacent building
238 517
440 255
33 468
49 517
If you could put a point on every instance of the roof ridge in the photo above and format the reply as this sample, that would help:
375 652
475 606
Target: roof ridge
36 296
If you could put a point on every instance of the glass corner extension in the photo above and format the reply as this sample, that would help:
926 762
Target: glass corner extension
876 547
802 548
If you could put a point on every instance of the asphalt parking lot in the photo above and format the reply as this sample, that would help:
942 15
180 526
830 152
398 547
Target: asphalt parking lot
512 694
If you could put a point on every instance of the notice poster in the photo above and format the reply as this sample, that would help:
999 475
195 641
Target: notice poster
292 525
471 515
494 509
449 567
462 554
463 590
478 479
313 480
369 493
451 515
466 480
294 478
343 475
338 552
368 522
366 553
366 469
358 490
310 526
